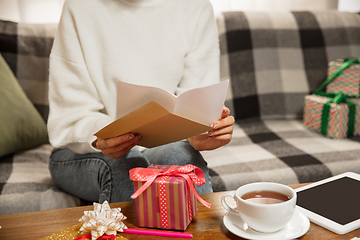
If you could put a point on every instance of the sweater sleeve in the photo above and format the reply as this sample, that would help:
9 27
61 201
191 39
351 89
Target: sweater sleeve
202 62
76 110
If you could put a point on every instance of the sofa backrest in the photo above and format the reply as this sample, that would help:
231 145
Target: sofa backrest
274 59
26 49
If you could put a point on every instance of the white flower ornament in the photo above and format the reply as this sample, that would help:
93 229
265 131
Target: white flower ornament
103 220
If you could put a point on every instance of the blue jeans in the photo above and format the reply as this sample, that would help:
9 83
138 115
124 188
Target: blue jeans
97 177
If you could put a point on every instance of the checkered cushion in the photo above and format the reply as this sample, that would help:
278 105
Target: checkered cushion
26 49
275 59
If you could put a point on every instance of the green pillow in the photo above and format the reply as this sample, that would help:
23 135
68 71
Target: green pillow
21 126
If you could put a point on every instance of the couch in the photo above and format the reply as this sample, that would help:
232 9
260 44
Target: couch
273 60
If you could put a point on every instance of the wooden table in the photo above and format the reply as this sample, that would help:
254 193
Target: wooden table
207 224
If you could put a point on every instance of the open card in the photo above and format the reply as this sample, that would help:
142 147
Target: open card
161 117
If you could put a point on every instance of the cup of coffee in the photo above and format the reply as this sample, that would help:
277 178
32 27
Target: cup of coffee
264 206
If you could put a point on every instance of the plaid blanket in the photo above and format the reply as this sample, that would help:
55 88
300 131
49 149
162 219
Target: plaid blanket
26 184
279 151
273 60
26 49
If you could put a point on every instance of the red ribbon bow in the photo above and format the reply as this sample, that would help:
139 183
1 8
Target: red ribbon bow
190 173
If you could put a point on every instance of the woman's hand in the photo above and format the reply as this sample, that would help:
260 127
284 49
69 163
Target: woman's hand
216 138
117 147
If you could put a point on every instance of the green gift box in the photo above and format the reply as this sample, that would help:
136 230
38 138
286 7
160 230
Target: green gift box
337 117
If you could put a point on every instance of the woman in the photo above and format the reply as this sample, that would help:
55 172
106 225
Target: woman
171 44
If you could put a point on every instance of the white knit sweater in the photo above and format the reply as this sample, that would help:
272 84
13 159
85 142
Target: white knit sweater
172 44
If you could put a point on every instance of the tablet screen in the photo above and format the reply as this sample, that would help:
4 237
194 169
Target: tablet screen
337 200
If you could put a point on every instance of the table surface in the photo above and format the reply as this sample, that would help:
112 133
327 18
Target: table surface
207 223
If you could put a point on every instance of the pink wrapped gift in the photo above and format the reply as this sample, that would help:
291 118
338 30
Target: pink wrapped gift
341 121
348 81
165 196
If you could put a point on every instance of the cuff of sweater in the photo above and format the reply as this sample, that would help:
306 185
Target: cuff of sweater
89 145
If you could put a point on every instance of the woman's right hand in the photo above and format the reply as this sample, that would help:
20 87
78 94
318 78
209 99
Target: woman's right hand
117 147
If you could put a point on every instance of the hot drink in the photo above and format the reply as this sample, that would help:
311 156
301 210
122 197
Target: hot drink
265 197
276 208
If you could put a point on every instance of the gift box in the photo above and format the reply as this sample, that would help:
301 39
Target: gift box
356 101
165 196
332 117
347 80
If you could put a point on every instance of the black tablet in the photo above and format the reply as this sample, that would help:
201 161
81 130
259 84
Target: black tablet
333 203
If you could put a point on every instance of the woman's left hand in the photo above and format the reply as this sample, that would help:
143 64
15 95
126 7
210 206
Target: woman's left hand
216 138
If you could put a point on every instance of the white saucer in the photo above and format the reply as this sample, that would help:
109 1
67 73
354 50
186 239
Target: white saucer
297 227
